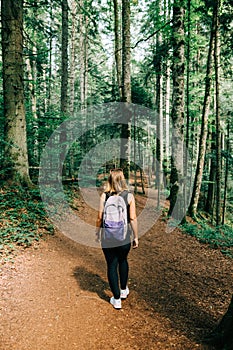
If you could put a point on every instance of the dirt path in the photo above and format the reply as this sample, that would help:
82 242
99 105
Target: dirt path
56 296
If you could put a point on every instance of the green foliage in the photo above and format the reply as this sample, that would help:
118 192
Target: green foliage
140 95
22 216
215 237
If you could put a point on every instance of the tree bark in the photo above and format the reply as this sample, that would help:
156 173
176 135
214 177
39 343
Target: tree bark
218 127
209 205
50 44
118 51
126 88
226 173
166 161
32 75
126 52
64 68
159 106
73 56
16 153
64 85
187 139
177 113
83 55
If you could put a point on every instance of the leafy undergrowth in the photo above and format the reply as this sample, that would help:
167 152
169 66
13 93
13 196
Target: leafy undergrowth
72 193
23 218
216 237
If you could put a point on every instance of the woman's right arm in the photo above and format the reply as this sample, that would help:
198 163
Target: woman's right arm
100 216
133 221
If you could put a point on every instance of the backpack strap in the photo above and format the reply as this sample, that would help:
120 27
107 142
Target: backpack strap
107 195
124 195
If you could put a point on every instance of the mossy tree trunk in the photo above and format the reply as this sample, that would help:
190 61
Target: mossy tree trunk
16 153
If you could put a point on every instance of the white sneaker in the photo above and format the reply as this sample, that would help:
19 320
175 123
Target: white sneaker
124 293
116 303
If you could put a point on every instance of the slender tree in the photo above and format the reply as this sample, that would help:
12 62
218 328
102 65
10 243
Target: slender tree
64 82
218 127
188 73
167 88
73 55
126 88
204 125
158 60
64 68
226 173
50 46
209 205
126 52
117 43
16 153
83 54
177 113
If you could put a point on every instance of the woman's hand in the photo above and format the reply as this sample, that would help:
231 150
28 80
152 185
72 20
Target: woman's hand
97 237
135 243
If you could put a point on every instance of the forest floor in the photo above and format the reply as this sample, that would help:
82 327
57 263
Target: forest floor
55 295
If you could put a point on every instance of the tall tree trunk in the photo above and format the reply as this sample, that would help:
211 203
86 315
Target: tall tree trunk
177 113
83 54
159 106
135 152
32 75
126 88
204 127
64 68
73 56
50 44
16 154
126 52
209 205
167 110
194 130
167 100
226 173
218 128
118 51
64 83
187 186
86 61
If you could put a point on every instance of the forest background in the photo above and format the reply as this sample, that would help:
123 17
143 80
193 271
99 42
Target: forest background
173 57
60 58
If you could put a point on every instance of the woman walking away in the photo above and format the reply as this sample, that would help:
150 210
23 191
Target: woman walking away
115 222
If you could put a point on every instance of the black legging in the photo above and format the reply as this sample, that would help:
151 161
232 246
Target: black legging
117 257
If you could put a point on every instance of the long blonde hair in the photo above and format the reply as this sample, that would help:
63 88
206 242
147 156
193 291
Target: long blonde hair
116 181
